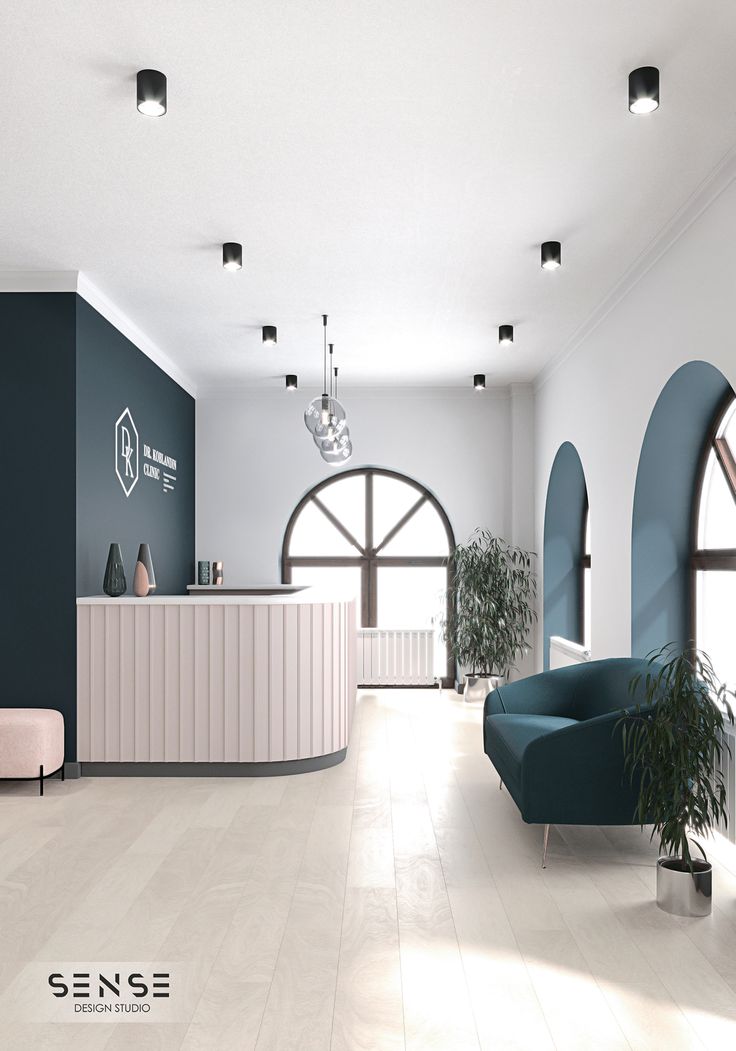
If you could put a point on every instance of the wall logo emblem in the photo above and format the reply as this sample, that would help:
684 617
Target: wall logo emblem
126 452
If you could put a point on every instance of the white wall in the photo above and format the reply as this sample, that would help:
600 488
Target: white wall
255 460
600 398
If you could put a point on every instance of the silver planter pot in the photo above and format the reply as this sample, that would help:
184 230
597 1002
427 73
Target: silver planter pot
478 687
682 892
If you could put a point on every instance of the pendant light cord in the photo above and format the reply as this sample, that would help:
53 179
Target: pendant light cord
324 357
331 346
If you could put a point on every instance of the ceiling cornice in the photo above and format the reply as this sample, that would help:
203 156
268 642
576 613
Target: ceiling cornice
709 190
112 313
75 281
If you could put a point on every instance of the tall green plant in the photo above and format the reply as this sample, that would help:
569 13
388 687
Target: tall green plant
490 604
676 746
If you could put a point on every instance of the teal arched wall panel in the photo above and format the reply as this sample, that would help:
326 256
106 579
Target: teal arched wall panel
663 506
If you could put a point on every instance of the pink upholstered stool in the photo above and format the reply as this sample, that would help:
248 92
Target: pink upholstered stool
31 743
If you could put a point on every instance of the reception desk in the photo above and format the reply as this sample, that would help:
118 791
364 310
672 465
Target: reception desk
245 683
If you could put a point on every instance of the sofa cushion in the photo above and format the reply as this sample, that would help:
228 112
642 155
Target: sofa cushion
509 735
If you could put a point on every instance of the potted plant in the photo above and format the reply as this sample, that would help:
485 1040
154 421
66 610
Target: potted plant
674 745
490 609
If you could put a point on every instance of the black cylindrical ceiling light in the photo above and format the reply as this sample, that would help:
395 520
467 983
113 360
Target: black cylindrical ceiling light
232 255
551 255
291 382
644 89
505 335
151 92
479 381
269 335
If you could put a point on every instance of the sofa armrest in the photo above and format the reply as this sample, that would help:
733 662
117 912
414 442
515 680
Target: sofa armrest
576 775
549 693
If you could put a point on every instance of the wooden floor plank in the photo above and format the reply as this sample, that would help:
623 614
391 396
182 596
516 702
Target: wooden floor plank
394 902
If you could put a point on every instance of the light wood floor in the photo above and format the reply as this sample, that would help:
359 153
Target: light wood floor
395 901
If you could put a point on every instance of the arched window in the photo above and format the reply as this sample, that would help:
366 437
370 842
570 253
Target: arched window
714 559
566 565
585 575
380 532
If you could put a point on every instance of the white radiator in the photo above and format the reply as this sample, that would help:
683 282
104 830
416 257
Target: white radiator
562 652
396 658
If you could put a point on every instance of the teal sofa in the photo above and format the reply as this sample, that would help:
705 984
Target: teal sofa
554 742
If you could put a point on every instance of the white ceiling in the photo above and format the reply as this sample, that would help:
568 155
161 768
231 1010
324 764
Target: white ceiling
393 163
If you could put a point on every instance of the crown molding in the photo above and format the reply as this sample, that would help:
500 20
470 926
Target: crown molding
97 299
704 195
75 281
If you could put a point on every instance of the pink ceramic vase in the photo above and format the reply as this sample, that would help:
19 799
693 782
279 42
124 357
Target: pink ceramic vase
141 583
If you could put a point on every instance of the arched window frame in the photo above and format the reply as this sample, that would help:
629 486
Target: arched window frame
704 559
585 567
368 559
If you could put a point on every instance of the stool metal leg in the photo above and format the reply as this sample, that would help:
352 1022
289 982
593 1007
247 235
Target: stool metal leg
544 850
62 771
40 781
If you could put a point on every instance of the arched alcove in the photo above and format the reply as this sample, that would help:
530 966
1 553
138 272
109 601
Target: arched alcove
661 529
565 516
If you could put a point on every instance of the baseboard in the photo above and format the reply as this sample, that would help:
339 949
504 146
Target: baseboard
276 769
72 770
398 685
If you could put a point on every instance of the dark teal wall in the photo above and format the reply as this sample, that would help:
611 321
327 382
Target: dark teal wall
67 375
567 498
663 506
37 523
112 375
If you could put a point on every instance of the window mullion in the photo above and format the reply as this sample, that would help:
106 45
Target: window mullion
401 522
727 462
337 524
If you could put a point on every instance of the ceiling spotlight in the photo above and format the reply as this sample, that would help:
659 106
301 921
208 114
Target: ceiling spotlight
644 89
269 335
551 255
479 381
505 335
151 92
291 383
232 255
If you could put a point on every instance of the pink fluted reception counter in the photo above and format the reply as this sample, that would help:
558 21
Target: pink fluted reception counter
208 683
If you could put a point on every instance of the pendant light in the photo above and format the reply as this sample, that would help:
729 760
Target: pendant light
644 90
335 443
325 417
232 255
551 255
269 335
336 420
505 335
340 456
291 382
318 411
337 450
151 90
479 381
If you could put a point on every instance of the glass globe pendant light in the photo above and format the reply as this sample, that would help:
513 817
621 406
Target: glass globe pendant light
332 439
337 448
335 421
338 457
317 413
325 417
